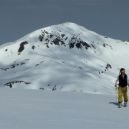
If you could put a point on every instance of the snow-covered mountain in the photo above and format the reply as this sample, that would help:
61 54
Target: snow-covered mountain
65 57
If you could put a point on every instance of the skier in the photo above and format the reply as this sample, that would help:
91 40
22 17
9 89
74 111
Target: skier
122 84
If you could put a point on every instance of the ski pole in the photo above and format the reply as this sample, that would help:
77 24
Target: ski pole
116 92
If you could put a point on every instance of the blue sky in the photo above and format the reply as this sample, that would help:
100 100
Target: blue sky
107 17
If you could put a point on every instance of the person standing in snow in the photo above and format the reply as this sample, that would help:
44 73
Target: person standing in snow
122 84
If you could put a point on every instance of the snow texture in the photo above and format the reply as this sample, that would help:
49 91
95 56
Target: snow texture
34 109
64 57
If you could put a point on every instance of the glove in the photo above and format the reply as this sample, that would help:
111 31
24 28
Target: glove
115 87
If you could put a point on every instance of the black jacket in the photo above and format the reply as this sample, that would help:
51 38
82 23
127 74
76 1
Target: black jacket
123 80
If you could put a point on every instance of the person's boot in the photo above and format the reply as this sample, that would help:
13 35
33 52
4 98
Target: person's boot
119 105
125 104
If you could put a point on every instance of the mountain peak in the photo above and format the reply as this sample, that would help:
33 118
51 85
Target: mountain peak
66 57
67 28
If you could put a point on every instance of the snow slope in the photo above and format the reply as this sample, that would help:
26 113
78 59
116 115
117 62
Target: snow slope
34 109
65 57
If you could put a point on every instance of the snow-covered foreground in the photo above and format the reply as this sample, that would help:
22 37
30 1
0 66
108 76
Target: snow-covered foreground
34 109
